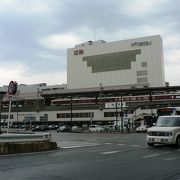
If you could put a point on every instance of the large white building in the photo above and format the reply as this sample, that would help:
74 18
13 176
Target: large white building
128 63
133 63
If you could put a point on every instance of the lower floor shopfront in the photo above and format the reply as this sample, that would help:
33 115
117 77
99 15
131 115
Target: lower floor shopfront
81 116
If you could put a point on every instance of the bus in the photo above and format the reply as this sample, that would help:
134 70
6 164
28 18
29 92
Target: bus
165 111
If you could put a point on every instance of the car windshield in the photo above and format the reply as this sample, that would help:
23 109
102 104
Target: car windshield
168 121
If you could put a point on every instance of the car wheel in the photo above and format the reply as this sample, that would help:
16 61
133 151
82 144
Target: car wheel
178 141
150 144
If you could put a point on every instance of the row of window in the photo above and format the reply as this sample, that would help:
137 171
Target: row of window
142 80
84 115
6 116
67 115
141 73
75 115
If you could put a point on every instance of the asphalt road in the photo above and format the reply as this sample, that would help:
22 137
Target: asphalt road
95 157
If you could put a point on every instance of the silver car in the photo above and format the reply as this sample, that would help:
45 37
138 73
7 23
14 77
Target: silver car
96 128
77 129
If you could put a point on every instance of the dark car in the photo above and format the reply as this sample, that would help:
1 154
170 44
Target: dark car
52 127
40 128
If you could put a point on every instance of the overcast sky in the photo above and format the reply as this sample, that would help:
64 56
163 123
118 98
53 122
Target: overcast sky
35 34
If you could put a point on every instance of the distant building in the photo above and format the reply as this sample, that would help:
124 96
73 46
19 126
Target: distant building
133 63
29 91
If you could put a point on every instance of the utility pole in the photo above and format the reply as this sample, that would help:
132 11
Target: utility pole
122 114
71 111
37 105
100 97
17 106
0 112
116 113
1 97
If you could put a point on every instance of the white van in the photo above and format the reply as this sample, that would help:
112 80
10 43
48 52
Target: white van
166 131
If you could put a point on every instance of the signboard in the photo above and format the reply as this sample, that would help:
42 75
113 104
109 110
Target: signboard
144 43
114 105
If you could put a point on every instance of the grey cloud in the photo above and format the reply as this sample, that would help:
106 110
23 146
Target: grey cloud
19 32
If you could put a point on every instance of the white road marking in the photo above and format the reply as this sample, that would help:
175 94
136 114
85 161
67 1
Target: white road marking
107 143
170 159
109 152
154 155
78 146
135 145
150 155
121 144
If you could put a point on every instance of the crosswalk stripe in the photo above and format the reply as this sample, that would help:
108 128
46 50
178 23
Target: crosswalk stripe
110 152
156 154
107 143
150 155
170 159
77 146
121 144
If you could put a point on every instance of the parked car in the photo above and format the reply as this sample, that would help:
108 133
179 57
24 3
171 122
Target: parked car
109 128
142 128
64 128
77 129
40 128
52 127
96 128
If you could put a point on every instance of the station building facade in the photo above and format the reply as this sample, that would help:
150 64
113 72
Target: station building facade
133 62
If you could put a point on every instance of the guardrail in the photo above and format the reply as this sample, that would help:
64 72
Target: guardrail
12 138
13 130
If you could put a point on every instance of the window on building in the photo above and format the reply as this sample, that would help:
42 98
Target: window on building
142 80
144 64
141 73
109 114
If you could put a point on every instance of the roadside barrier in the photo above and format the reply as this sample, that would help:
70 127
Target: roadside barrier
25 143
11 138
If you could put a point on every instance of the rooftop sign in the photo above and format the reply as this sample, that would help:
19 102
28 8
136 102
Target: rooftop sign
144 43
